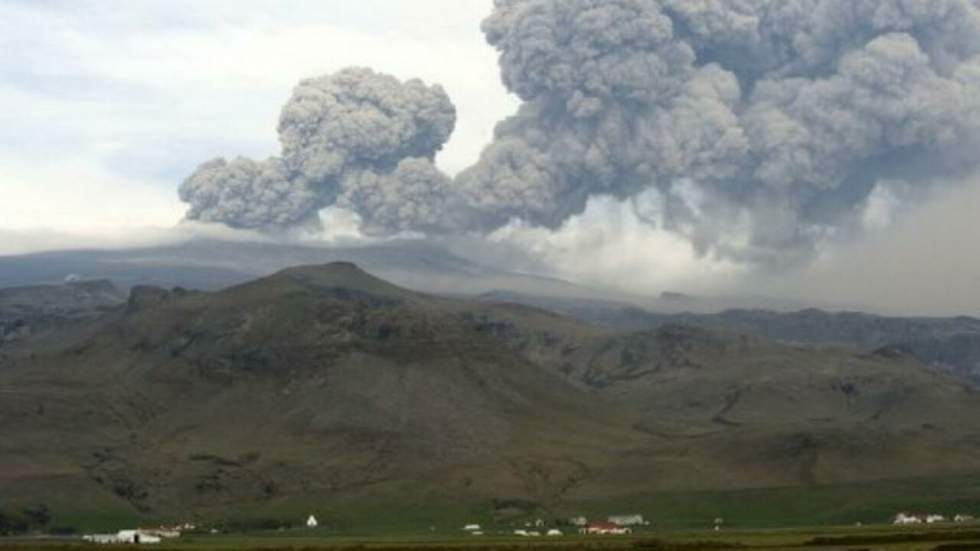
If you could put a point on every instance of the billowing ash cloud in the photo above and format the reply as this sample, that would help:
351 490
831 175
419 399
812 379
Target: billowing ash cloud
248 194
342 135
755 128
415 196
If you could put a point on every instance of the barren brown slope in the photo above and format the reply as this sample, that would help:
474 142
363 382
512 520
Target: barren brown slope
735 410
312 381
326 383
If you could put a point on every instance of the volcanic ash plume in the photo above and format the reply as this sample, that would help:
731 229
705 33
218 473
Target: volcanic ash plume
756 129
342 135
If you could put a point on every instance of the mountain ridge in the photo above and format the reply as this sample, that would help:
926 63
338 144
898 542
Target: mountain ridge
327 381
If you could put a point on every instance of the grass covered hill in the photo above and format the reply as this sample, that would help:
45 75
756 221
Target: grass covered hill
324 384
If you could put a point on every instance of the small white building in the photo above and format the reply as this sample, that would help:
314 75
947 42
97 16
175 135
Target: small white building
163 532
605 529
627 520
312 522
905 519
555 532
522 533
578 521
123 536
935 519
137 536
472 528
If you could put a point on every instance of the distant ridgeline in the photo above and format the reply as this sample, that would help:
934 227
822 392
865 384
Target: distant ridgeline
949 344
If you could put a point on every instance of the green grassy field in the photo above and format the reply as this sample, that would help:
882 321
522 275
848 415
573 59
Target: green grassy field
763 518
844 505
943 538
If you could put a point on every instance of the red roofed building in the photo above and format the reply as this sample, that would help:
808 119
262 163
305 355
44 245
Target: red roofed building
605 529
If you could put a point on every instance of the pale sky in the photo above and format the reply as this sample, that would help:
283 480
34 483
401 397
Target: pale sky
109 104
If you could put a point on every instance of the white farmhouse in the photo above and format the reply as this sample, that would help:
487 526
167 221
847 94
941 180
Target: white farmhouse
123 536
605 529
627 520
136 536
904 519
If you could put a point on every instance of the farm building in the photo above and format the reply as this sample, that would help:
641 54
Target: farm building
605 529
123 536
627 520
906 519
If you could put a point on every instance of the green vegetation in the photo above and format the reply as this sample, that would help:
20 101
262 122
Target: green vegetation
357 519
842 504
879 538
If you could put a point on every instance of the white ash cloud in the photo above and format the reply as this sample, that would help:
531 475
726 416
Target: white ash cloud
757 130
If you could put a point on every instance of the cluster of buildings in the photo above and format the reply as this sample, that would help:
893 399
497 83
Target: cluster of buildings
902 519
604 529
140 535
536 533
614 526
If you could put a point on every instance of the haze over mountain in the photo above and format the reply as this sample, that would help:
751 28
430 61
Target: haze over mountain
439 268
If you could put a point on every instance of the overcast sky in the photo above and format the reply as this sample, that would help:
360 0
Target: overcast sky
109 104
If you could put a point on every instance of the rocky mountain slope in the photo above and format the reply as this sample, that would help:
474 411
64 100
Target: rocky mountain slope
327 383
947 344
30 312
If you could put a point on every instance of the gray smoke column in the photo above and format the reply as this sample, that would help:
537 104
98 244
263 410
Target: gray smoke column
358 135
248 194
756 128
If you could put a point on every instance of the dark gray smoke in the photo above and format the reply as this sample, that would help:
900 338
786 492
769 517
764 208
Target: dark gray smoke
414 197
758 129
342 135
248 194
